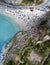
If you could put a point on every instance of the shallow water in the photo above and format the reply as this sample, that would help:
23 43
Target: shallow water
8 28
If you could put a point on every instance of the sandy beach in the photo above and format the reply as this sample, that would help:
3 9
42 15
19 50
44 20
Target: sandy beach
24 16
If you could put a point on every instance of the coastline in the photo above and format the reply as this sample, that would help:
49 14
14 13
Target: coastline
12 15
9 44
6 48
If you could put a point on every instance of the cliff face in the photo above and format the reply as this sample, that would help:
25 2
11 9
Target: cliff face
13 1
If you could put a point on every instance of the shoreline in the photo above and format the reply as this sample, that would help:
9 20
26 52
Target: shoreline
12 15
9 44
6 47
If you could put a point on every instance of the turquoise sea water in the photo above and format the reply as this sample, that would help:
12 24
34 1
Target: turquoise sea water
8 28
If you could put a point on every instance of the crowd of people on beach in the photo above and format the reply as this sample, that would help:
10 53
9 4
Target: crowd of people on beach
25 16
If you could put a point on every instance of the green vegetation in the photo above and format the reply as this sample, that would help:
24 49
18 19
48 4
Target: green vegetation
32 2
11 63
25 52
48 61
42 48
29 3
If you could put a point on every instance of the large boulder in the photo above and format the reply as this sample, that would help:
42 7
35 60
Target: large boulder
13 1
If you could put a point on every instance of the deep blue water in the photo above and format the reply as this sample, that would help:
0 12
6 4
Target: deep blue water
8 28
